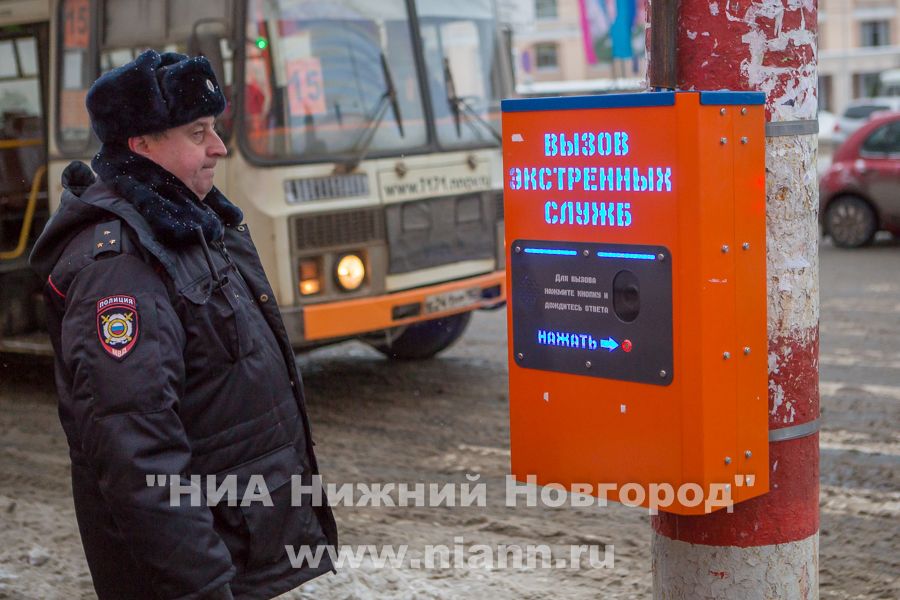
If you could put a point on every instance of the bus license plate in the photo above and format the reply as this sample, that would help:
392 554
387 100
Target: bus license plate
452 300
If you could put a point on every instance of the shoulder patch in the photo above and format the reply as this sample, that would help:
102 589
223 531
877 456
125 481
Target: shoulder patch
118 325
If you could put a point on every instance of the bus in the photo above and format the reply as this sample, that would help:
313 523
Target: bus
363 148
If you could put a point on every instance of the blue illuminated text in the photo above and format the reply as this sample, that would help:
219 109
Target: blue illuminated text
583 341
591 179
604 214
602 143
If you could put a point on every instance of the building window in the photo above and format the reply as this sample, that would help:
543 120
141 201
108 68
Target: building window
824 92
875 33
865 85
546 56
545 9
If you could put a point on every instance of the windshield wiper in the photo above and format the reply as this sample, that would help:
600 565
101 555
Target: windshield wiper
460 106
388 100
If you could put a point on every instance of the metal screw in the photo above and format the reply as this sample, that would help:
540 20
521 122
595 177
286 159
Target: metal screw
518 249
587 363
743 111
747 453
587 252
520 356
661 256
744 140
726 355
723 141
727 460
663 373
724 248
745 245
721 111
746 350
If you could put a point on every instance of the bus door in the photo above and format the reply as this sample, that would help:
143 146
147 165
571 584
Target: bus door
23 165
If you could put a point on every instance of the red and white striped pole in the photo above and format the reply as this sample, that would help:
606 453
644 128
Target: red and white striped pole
768 547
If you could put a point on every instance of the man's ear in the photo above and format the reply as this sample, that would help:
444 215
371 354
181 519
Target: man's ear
139 144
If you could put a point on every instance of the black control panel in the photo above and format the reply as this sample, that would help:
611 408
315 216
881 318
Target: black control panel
600 310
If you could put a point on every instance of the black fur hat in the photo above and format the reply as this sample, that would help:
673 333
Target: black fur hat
153 93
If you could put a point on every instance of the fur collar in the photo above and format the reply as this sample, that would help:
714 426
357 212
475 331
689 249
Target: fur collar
171 209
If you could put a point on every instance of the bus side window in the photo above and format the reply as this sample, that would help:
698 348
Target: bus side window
21 120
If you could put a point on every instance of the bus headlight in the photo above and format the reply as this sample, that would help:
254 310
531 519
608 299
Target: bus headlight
350 272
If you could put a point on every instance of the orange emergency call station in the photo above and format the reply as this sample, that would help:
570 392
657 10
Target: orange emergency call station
636 278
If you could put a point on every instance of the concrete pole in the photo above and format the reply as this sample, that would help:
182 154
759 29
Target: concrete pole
768 547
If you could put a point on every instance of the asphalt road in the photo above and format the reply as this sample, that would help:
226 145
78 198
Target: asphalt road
859 379
438 421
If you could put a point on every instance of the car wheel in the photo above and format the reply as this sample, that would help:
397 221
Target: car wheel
850 222
424 340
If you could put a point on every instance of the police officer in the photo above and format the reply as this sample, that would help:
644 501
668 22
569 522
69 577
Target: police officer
172 360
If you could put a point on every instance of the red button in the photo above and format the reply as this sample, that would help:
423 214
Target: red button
626 345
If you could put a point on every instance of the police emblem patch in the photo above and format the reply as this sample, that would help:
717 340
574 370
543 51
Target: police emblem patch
117 325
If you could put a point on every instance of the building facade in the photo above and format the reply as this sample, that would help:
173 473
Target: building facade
858 40
549 44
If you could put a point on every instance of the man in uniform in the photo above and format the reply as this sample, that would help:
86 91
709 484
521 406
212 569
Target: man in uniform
172 360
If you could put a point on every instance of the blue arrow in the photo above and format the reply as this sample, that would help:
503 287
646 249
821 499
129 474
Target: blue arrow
609 344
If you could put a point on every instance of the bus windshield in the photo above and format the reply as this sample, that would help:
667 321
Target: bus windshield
464 77
330 78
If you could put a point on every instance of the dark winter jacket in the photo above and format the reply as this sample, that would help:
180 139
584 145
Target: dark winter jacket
175 362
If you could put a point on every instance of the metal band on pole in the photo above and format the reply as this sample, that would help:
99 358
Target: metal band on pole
794 431
785 128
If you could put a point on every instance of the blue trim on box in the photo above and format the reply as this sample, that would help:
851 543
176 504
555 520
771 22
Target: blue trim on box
721 97
730 98
581 102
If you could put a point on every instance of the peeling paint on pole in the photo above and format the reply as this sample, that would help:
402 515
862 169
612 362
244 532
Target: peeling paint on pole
763 45
792 266
791 567
768 547
792 235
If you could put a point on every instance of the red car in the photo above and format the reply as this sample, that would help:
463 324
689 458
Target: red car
859 194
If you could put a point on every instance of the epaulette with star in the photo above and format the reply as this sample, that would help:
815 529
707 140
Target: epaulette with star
108 238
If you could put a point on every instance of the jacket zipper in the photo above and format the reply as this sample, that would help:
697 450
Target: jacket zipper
220 245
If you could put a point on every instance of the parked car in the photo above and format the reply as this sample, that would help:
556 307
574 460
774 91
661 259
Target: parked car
859 193
859 111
